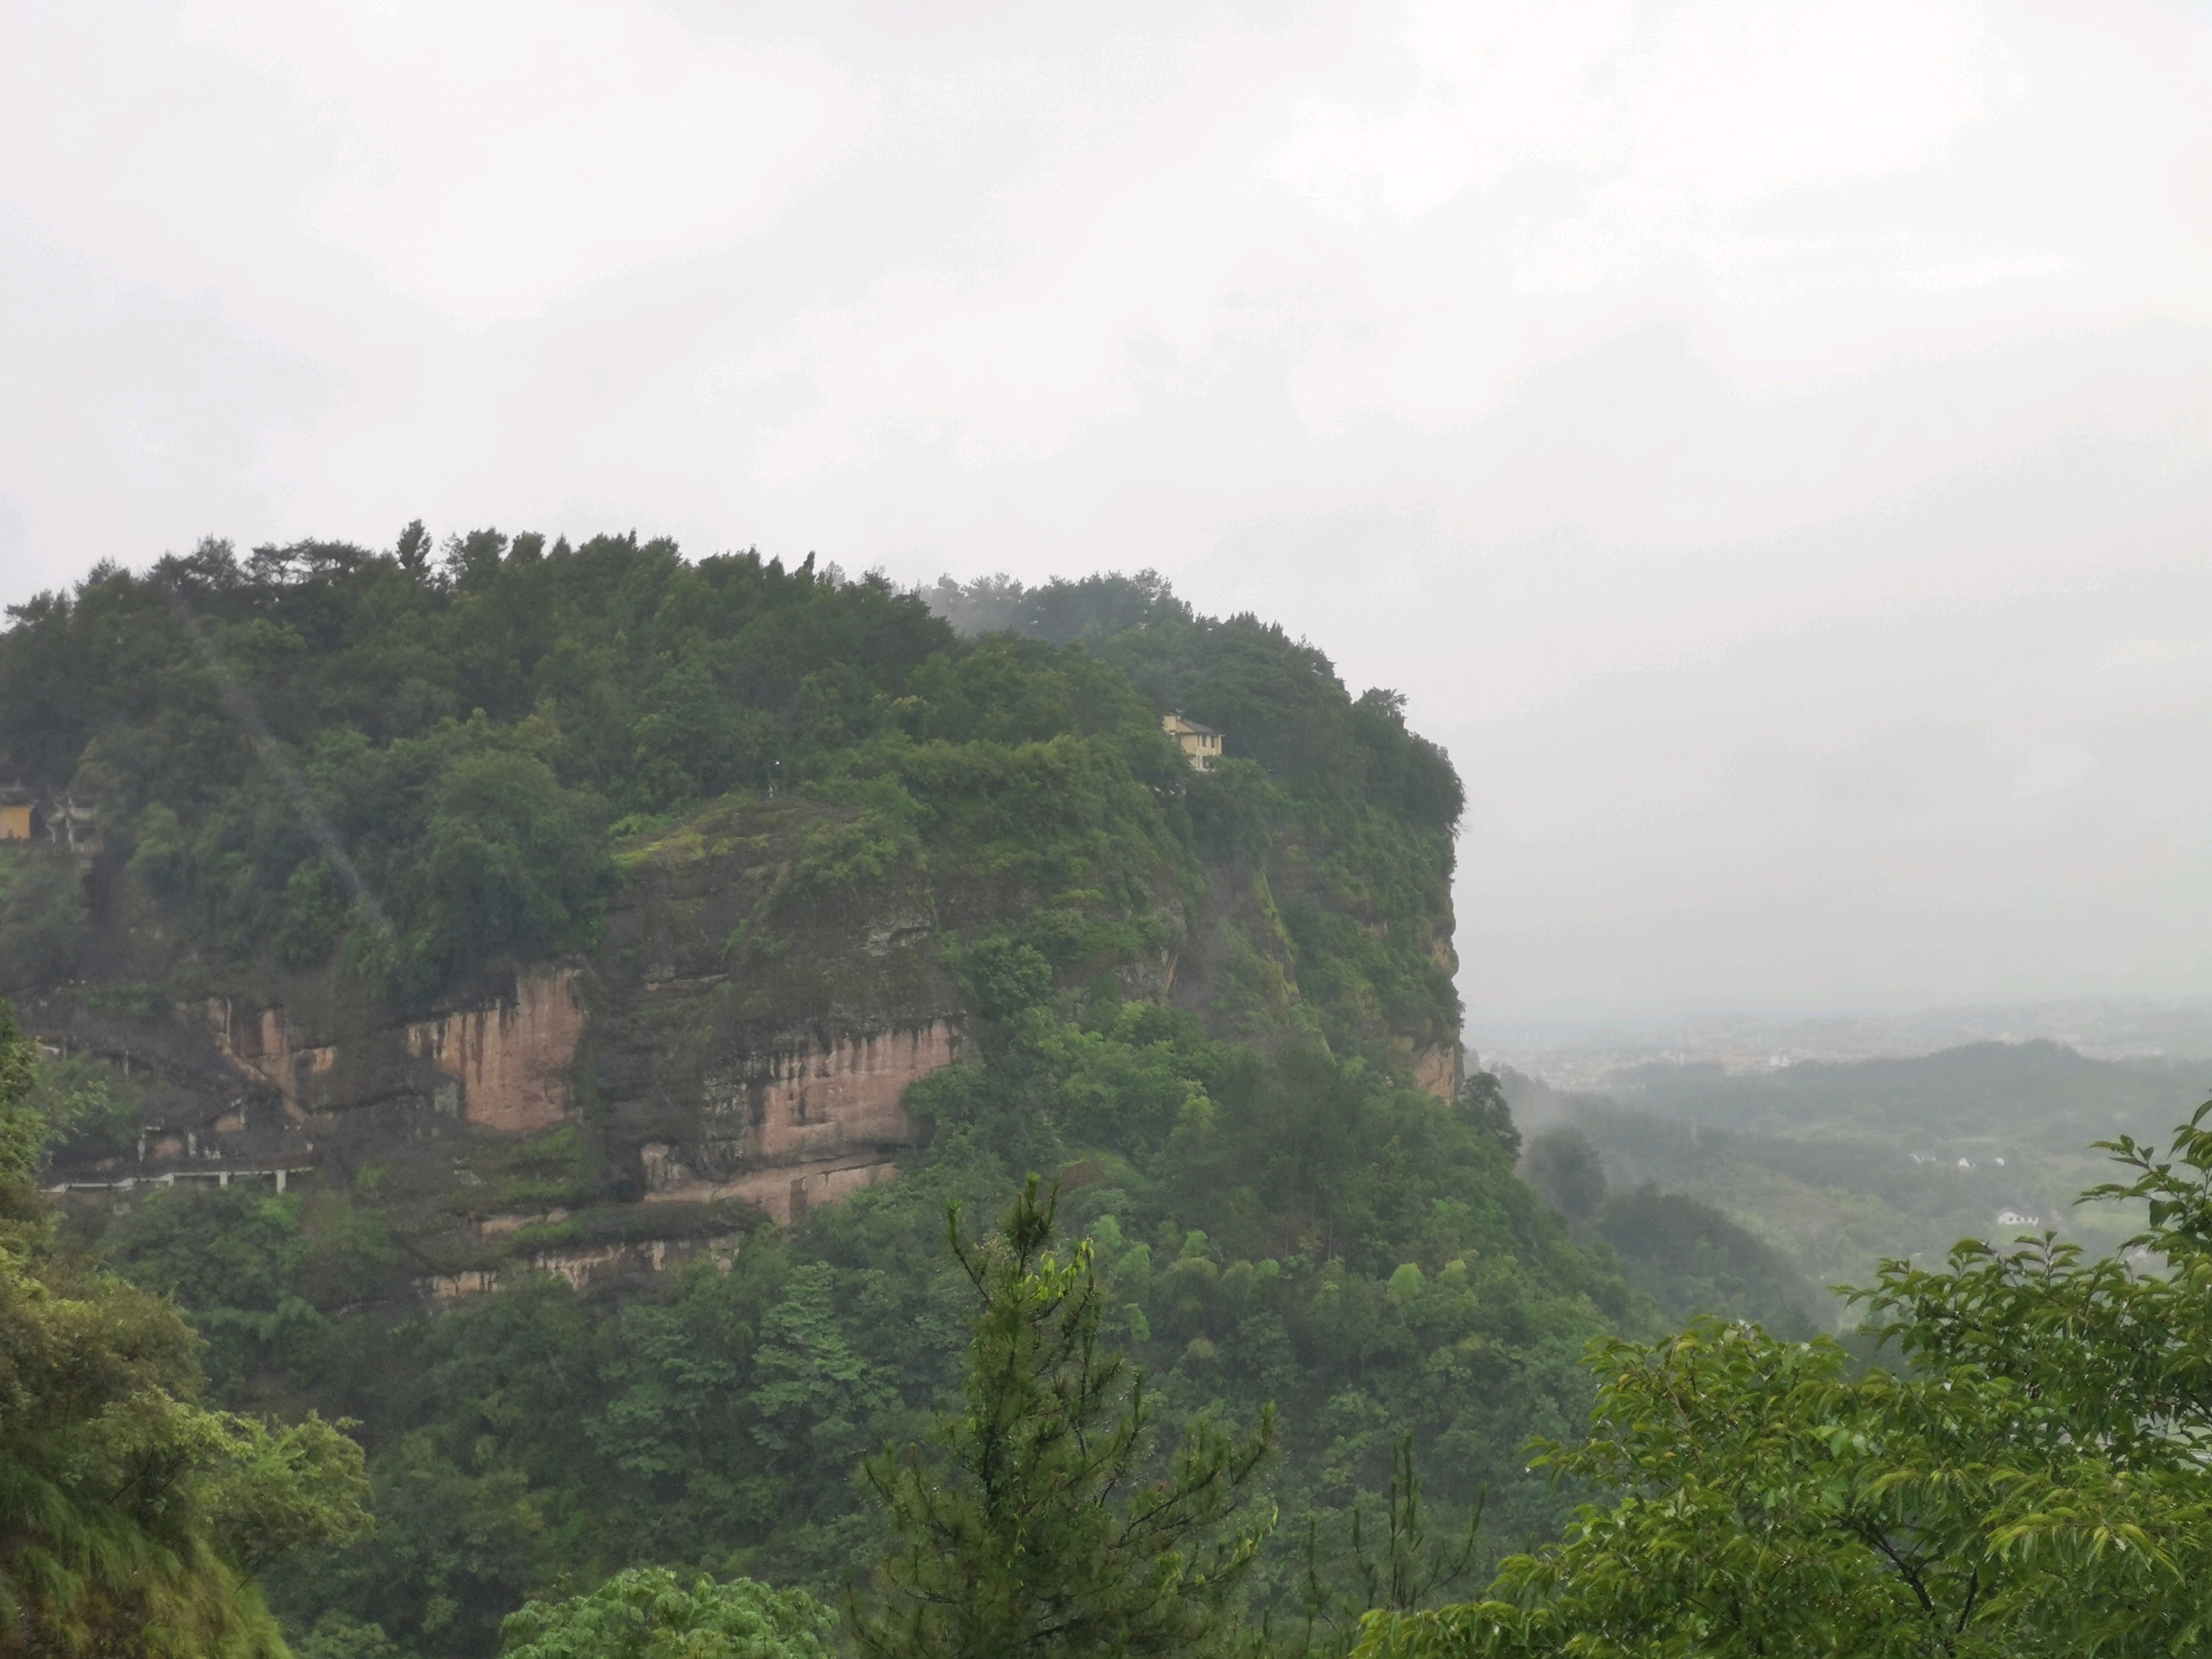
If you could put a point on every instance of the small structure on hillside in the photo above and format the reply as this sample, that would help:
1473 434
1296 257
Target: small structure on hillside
71 824
20 817
2018 1219
59 820
1201 744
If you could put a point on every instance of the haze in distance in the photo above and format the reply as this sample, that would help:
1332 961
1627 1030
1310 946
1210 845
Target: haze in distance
1770 446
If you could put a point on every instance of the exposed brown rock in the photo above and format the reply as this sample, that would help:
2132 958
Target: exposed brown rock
579 1268
818 1102
808 1126
444 1288
511 1060
787 1192
583 1265
1436 1069
749 1039
497 1226
261 1045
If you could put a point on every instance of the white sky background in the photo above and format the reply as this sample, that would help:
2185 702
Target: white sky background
1771 445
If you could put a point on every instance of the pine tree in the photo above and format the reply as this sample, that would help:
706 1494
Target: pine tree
1031 1526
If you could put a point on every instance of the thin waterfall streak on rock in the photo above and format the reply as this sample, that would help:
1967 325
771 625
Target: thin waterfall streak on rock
247 714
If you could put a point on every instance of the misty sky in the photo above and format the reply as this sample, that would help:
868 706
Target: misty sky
1771 445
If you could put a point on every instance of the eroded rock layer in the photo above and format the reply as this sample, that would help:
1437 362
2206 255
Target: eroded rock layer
595 1116
741 1044
511 1059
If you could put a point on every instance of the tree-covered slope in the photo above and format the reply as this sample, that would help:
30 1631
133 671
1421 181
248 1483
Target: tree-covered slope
1837 1165
416 771
1360 810
732 799
1277 1229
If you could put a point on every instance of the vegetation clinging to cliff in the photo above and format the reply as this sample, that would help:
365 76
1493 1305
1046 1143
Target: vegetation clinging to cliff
1198 997
1280 1228
131 1516
418 768
1350 813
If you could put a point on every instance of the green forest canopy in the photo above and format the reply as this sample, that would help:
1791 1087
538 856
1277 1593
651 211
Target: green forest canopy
2024 1475
422 765
412 772
131 1515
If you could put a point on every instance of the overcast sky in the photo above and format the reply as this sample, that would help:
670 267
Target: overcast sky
1771 444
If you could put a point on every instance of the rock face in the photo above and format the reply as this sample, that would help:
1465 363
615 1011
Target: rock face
581 1267
1436 1069
740 1037
511 1060
753 1041
675 1071
502 1065
804 1127
259 1044
816 1103
782 1120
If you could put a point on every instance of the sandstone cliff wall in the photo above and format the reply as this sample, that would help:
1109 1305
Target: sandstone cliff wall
794 1129
502 1063
1436 1069
739 1038
511 1059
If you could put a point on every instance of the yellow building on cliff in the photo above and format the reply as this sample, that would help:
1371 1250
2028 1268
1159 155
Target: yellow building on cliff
1201 744
19 819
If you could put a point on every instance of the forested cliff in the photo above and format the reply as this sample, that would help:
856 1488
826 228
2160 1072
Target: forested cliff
537 1001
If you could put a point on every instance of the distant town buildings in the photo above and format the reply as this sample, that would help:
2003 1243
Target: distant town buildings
1201 744
2018 1219
2005 1218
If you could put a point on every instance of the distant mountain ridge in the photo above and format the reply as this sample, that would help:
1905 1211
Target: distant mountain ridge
2039 1091
1837 1165
1585 1054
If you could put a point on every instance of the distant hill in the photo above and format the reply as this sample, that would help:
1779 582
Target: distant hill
1583 1054
2040 1096
1837 1165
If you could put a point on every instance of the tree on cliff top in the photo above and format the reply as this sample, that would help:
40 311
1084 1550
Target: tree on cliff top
1032 1526
130 1518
